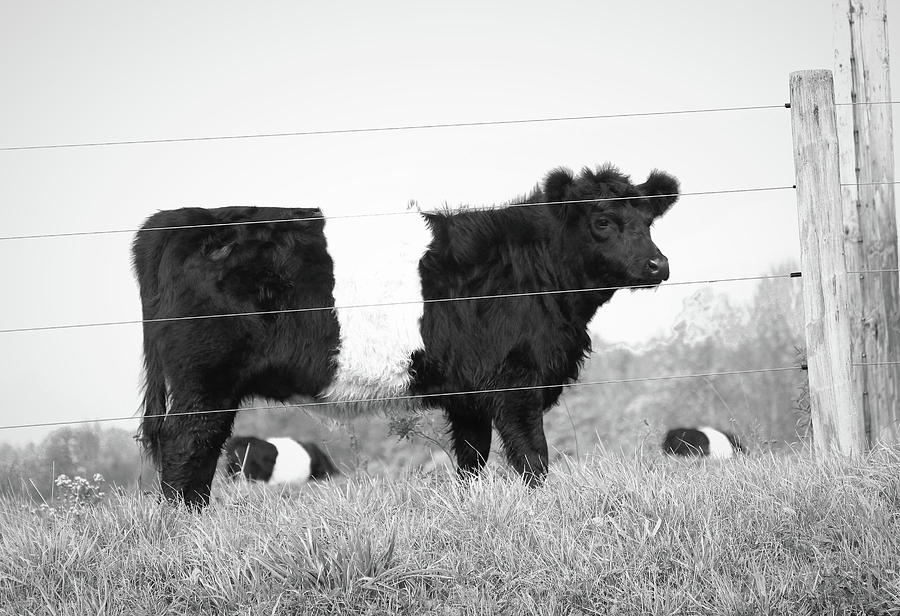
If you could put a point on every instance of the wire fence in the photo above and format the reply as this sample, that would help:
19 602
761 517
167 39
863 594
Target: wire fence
314 404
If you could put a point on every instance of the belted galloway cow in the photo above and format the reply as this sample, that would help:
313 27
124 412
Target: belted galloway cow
493 301
278 460
706 441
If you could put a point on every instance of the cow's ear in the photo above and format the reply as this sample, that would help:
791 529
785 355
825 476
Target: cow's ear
662 191
557 187
557 184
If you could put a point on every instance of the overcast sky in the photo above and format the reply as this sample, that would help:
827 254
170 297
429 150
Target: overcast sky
106 71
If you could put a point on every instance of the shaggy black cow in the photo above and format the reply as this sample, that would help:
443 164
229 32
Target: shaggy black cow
277 460
701 442
321 328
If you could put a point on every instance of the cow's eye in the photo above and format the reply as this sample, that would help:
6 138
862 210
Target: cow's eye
601 226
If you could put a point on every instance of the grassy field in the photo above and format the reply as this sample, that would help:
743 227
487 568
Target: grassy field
607 535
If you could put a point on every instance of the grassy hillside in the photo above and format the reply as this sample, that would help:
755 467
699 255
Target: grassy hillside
609 535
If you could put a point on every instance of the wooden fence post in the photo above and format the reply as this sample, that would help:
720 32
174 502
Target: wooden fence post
862 76
836 417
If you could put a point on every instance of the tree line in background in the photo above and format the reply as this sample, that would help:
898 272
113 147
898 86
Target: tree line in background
768 410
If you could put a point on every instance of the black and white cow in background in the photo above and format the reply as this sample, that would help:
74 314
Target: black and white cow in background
338 351
277 460
701 442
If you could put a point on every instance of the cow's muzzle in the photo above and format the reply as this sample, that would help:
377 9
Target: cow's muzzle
658 268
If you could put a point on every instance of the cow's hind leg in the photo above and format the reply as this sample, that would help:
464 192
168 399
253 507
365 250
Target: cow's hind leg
189 449
520 422
470 431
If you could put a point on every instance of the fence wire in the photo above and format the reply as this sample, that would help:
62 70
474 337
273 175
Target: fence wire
377 214
412 127
408 211
380 400
381 129
388 304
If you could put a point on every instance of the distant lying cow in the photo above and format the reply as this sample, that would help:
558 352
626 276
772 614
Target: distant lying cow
701 442
355 314
277 460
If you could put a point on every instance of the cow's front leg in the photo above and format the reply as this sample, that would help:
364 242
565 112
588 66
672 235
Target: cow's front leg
520 422
470 431
189 450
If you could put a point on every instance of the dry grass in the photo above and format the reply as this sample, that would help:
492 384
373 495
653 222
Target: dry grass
768 535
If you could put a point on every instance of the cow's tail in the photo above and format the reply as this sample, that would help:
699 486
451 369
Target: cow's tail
154 404
147 254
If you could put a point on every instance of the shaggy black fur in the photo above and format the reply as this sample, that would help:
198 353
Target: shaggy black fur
693 442
534 340
259 461
468 345
206 364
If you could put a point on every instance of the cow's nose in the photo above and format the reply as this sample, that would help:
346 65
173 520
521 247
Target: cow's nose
659 268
